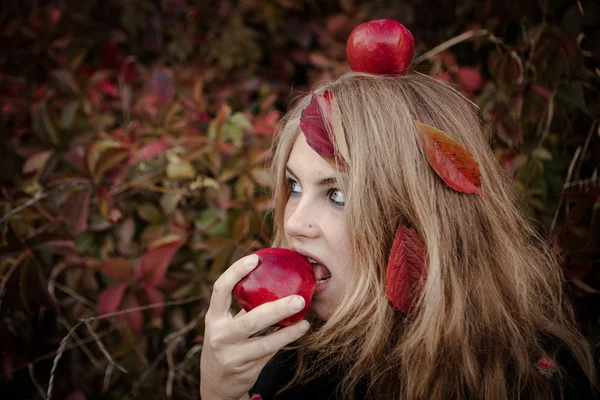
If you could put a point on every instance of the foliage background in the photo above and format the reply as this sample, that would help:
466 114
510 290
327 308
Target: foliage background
135 137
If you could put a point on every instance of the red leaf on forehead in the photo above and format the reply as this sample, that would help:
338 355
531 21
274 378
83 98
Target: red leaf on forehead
452 162
405 268
313 122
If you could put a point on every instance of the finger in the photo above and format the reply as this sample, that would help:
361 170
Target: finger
220 301
264 347
266 315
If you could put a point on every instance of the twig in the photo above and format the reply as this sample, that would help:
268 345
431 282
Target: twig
35 382
51 354
40 197
585 147
191 352
103 349
75 295
451 42
9 273
191 325
82 345
560 200
171 373
147 373
142 308
59 353
107 375
158 189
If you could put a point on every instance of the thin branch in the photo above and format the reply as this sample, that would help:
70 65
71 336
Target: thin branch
38 387
75 295
147 373
142 308
41 196
81 344
191 325
585 147
68 348
59 353
560 200
451 42
107 375
171 373
10 272
103 349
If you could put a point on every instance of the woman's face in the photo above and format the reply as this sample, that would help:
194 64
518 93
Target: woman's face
315 226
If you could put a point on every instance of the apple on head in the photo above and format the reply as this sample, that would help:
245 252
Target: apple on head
279 273
382 47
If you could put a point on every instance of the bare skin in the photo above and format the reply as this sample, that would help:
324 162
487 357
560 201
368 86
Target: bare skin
231 358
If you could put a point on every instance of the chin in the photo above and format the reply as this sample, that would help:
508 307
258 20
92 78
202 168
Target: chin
320 312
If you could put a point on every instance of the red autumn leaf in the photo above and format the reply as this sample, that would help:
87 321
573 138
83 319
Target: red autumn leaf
578 269
405 269
155 296
452 162
153 267
133 318
313 122
117 268
470 79
152 149
110 298
108 88
76 210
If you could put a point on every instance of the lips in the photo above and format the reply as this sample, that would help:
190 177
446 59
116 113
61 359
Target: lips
322 273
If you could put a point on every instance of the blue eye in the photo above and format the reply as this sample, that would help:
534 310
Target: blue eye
336 197
294 187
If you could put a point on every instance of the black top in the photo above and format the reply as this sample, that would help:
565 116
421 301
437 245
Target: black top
280 370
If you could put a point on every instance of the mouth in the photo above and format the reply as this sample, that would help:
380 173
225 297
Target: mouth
322 273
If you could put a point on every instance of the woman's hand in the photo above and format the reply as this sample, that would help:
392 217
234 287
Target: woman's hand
231 358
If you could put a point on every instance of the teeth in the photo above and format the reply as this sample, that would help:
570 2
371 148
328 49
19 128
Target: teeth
310 260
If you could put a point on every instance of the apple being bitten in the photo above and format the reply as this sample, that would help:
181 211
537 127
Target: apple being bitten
382 47
279 273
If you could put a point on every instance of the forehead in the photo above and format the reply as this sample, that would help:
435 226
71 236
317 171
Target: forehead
305 161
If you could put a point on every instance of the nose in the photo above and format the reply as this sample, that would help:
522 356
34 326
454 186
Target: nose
301 220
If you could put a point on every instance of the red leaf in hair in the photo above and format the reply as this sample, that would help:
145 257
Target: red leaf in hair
312 123
452 162
405 268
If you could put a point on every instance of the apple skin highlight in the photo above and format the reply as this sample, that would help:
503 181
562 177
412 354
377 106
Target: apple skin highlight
381 47
279 273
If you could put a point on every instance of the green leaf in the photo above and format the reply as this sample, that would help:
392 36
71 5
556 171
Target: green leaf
149 212
64 81
42 125
84 241
68 114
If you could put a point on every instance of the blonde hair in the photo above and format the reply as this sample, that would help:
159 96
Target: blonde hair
492 303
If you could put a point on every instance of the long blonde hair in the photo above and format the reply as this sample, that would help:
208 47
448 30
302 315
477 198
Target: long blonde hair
493 301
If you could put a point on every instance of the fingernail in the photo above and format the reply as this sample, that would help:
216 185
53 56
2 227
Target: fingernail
304 325
297 303
251 260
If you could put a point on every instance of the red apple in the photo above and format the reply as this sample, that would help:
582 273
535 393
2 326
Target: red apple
383 47
279 273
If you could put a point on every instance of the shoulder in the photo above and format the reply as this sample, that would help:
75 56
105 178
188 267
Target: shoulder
280 370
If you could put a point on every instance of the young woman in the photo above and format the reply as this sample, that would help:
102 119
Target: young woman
488 318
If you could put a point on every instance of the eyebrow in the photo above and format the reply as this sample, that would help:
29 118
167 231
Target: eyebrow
321 182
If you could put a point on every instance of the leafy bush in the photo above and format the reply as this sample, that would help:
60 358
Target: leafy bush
137 135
